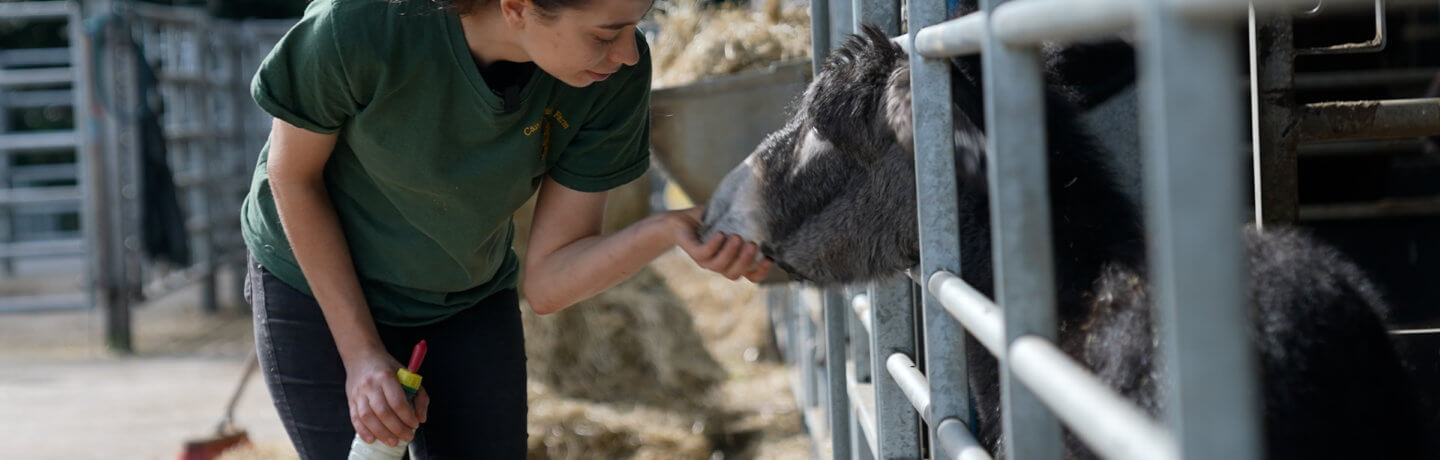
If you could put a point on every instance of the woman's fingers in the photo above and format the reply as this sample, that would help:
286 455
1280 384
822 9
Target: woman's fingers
743 262
368 420
705 252
357 421
422 404
723 258
400 406
697 213
390 428
761 270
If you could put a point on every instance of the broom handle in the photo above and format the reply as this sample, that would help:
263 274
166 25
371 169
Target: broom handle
251 364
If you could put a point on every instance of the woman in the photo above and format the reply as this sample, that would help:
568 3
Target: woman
405 135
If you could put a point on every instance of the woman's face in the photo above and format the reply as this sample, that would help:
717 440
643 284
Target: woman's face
583 45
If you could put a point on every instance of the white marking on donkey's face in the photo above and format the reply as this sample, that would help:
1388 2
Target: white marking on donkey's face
810 148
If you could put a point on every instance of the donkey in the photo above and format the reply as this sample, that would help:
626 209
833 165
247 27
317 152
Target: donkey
830 197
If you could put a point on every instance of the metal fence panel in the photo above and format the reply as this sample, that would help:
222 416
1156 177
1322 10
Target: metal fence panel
892 331
838 412
938 218
1193 217
1020 220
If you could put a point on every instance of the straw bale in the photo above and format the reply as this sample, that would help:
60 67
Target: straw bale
695 41
633 342
568 428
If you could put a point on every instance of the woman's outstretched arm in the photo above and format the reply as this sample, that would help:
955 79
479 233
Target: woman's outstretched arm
569 260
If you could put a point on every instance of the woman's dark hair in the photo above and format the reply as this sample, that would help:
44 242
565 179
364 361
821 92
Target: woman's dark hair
549 7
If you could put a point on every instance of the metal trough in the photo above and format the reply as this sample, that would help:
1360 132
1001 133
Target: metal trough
702 130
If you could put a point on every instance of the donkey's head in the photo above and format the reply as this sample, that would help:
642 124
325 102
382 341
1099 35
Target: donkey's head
831 195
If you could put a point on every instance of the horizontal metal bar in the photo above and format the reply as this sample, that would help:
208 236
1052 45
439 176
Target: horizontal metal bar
39 195
35 10
903 41
38 98
861 305
1365 77
1398 207
1365 147
911 382
26 57
49 302
189 131
193 78
33 249
38 140
1030 22
956 37
26 174
1111 425
174 280
862 401
187 179
956 442
1382 119
1230 9
1373 45
181 16
972 309
36 77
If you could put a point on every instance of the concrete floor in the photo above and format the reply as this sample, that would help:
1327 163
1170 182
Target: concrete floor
63 396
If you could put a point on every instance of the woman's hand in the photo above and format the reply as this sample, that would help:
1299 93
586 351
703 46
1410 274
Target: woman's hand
728 255
378 408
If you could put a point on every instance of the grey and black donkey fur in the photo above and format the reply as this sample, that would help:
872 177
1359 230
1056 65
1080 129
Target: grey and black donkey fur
831 198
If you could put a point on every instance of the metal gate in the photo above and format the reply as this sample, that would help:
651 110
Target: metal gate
127 61
860 350
212 136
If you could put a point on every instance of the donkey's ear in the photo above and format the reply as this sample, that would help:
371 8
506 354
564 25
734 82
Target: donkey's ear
897 111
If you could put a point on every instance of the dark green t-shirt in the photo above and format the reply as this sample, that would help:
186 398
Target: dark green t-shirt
429 168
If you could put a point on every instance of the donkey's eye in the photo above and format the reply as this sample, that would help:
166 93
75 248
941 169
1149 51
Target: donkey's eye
817 134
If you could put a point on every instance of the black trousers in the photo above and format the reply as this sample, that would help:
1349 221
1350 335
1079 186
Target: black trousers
474 373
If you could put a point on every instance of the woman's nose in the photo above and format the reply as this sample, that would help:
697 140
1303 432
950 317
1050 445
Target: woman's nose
624 50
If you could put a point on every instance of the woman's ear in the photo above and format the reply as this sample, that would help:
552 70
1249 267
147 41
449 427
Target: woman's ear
515 11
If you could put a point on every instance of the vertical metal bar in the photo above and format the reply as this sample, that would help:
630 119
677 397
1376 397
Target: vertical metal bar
120 139
89 168
7 214
212 185
938 218
1020 212
842 22
859 339
893 331
819 33
805 349
837 309
859 446
1273 120
884 14
1194 214
774 304
235 148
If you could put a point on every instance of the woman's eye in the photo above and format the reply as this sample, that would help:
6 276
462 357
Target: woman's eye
607 41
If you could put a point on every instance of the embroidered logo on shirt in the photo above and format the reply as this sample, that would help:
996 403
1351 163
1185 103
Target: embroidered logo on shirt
543 127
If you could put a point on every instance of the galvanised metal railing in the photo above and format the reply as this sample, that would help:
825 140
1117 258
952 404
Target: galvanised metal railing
878 403
212 135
